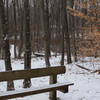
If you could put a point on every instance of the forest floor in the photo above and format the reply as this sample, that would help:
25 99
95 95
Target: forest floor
86 84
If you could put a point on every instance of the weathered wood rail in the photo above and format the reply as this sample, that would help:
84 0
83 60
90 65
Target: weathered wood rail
33 73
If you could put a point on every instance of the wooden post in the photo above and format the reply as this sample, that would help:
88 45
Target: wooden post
53 94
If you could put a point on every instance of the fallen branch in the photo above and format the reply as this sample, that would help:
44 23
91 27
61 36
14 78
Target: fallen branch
39 54
96 71
83 68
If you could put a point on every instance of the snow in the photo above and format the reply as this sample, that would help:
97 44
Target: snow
35 90
86 85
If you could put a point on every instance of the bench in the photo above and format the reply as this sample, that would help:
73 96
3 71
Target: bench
33 73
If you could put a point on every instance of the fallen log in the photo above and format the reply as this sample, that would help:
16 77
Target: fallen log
83 68
96 71
39 54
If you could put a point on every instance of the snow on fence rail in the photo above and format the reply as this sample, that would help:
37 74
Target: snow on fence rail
32 73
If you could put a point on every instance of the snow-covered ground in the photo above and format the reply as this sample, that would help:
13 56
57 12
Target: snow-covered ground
86 85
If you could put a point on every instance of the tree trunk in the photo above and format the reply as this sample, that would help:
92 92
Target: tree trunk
10 84
47 34
27 56
72 30
15 27
67 37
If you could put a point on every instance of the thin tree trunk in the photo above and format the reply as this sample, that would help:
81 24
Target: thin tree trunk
47 35
72 30
10 84
15 35
67 37
27 56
